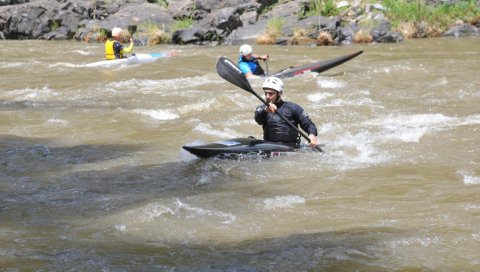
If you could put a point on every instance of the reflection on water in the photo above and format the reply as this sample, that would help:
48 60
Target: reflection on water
93 176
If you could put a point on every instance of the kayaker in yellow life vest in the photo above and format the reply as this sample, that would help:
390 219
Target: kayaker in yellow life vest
114 49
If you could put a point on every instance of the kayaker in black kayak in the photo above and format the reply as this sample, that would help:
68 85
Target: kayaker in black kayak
274 128
114 49
248 62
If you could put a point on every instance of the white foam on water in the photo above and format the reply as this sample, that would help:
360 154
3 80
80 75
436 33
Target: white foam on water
316 97
83 52
472 207
59 122
163 87
362 101
470 120
327 127
469 178
442 81
330 83
175 209
65 64
287 201
411 128
208 130
43 94
161 115
426 241
354 150
192 212
196 107
11 64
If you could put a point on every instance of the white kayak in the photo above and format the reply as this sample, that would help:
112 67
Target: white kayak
134 59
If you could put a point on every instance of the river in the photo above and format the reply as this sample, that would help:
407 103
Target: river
93 176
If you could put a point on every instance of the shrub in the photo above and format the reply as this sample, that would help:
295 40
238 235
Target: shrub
272 31
324 38
362 37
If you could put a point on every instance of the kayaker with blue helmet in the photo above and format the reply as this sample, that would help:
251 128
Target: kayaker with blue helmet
248 62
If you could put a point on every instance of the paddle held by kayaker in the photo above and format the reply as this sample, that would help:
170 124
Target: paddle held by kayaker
248 62
114 49
274 128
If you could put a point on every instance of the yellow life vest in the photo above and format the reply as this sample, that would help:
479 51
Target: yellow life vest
109 52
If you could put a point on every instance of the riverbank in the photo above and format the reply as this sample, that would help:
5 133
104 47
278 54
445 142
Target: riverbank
203 22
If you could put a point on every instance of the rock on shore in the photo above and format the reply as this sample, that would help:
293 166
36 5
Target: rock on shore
215 22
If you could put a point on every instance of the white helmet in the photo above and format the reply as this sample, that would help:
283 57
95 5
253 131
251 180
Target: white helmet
116 31
273 83
245 49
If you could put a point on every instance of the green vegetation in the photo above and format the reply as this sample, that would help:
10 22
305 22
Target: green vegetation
443 16
103 34
325 8
54 25
148 27
272 31
162 3
274 25
182 24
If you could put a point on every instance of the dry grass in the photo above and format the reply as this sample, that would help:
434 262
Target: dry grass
362 37
419 30
301 37
407 29
474 21
266 38
434 32
125 36
324 38
159 37
273 30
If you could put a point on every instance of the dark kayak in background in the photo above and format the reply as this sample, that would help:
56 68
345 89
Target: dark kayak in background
240 147
317 67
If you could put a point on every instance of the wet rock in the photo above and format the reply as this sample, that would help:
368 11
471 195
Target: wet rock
463 30
393 37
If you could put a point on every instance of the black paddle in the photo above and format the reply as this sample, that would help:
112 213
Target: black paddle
132 29
266 65
231 73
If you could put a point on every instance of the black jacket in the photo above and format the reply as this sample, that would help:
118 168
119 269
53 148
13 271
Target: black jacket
277 130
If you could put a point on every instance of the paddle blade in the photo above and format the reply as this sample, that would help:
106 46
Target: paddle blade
231 73
132 29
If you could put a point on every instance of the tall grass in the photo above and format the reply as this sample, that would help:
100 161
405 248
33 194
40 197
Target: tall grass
325 8
182 24
443 16
273 30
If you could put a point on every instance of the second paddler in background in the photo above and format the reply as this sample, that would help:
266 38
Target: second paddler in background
248 62
114 48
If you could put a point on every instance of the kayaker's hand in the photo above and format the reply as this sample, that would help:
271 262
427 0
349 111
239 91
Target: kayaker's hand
271 108
264 57
313 140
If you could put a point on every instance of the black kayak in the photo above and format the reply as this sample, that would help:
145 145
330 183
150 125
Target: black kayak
239 148
317 67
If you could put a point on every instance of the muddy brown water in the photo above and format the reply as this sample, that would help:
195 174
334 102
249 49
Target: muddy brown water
93 176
